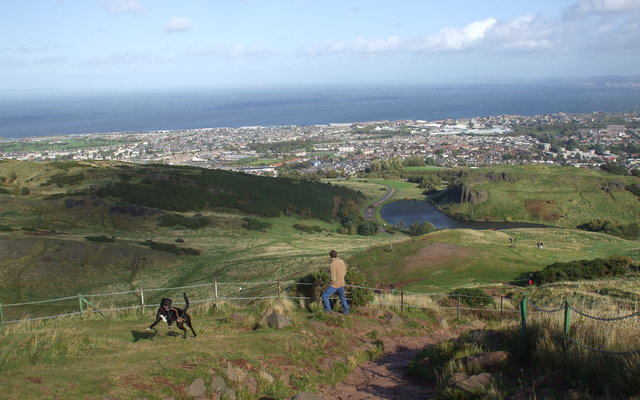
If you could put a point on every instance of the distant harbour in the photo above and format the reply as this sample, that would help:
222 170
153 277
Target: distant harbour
36 115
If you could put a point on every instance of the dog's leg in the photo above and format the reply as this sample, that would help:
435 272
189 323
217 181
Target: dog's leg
183 329
158 319
188 321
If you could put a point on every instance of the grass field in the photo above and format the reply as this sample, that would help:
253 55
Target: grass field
457 258
560 196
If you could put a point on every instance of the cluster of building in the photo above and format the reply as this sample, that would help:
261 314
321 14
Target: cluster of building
349 148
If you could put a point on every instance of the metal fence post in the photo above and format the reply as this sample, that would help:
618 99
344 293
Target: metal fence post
567 322
523 323
80 301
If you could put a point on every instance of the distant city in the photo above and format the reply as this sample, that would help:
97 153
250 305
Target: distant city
580 140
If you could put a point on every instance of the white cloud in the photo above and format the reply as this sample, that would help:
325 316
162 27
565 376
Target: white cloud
126 58
177 24
123 6
237 51
490 34
601 7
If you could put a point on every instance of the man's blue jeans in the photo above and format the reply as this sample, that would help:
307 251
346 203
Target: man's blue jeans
331 290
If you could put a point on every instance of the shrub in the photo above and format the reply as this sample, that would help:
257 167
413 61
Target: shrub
4 191
314 284
368 228
252 224
419 229
472 297
626 231
195 222
583 269
170 248
103 239
307 228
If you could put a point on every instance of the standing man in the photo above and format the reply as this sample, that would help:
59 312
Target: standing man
338 270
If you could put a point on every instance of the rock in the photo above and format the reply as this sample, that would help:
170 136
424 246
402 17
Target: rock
278 321
309 396
267 377
196 389
325 364
461 193
477 324
235 374
612 186
474 382
393 319
237 317
228 394
521 395
487 360
573 394
456 378
371 312
553 380
317 325
218 384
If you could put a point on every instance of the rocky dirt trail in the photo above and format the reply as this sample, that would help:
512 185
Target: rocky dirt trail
387 377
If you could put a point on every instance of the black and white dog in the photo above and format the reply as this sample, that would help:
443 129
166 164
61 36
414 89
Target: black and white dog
169 314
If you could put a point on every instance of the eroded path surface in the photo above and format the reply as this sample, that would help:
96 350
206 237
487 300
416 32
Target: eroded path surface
387 377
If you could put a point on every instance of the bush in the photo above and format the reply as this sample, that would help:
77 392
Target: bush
368 228
103 239
196 222
419 229
314 284
252 224
472 297
584 269
170 248
307 228
626 231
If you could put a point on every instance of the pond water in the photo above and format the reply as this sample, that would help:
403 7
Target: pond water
408 212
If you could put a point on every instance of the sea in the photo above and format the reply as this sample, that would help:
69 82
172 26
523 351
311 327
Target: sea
43 113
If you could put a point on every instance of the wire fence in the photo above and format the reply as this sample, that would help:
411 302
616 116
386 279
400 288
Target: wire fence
460 304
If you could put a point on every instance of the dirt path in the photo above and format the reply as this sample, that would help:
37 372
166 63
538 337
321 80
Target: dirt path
387 378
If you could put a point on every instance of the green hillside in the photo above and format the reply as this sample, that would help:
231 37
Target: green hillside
65 229
560 196
461 257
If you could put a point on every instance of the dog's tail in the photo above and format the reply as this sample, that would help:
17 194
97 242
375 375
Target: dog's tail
186 302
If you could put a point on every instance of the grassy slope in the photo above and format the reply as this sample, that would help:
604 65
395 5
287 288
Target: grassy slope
559 196
460 257
52 359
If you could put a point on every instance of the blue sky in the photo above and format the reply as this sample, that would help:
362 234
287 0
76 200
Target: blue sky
92 45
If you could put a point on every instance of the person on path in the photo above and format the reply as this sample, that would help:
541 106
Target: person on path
338 270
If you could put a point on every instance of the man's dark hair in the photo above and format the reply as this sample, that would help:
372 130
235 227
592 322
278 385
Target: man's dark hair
333 254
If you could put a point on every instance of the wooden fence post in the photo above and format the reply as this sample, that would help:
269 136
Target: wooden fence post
501 308
142 299
458 306
2 318
215 288
278 289
80 301
401 300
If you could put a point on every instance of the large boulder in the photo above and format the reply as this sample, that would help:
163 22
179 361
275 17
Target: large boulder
196 389
278 321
